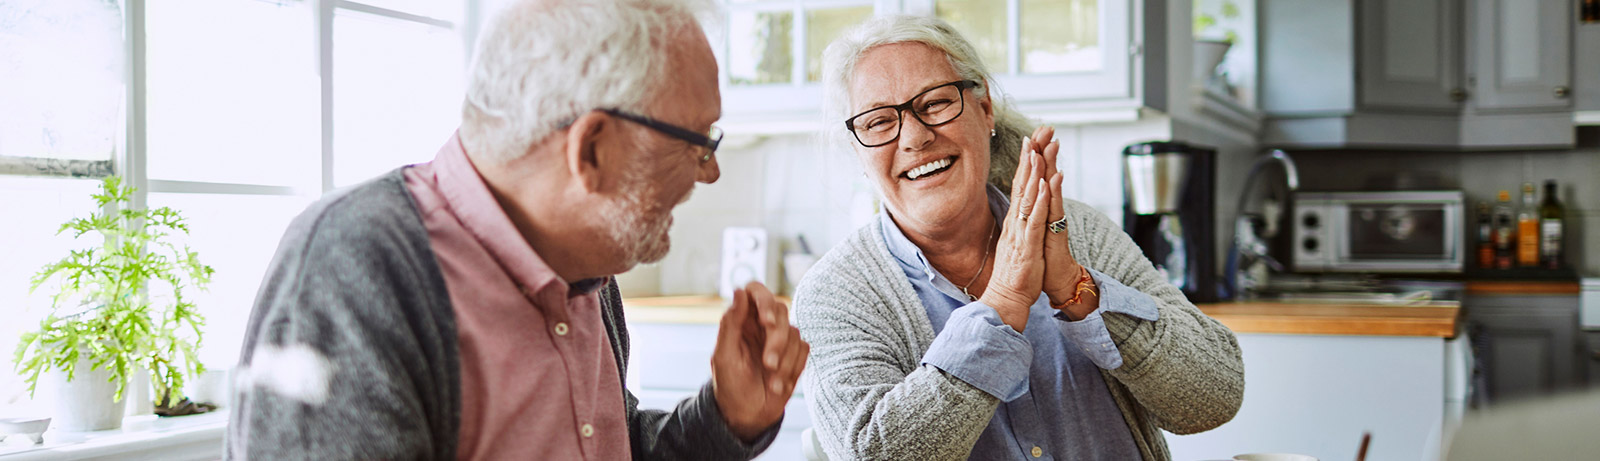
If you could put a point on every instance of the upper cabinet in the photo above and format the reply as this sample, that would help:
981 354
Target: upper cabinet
1522 54
1410 55
1061 61
1417 73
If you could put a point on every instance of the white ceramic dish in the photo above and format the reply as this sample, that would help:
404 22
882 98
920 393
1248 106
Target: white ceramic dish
32 427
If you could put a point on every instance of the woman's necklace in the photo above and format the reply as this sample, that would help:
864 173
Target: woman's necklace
986 250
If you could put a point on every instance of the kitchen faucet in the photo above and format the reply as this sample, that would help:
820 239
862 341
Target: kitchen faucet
1248 247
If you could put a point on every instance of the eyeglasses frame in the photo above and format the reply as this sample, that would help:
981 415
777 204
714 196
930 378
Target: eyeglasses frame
900 109
681 133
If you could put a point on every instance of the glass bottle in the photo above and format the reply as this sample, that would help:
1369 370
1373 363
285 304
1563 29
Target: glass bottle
1550 218
1505 227
1485 237
1528 228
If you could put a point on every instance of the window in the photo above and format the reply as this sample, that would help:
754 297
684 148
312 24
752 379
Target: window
245 112
62 103
771 54
1049 55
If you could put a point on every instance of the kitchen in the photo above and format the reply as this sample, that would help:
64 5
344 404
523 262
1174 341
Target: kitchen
1383 97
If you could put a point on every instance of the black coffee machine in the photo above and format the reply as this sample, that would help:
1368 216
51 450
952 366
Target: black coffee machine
1169 210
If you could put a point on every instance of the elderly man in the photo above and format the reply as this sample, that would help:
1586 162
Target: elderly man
465 308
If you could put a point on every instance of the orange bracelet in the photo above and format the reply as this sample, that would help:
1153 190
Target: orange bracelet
1085 284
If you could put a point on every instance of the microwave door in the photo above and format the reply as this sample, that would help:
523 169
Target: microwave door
1399 237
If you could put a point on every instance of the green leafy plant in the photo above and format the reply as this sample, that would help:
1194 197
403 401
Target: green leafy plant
121 304
1204 21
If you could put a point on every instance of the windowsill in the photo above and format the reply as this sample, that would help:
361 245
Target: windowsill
141 437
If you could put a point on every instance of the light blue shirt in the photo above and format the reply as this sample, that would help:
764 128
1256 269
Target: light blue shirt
1048 377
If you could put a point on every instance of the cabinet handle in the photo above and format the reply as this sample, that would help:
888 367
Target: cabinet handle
1458 94
1562 92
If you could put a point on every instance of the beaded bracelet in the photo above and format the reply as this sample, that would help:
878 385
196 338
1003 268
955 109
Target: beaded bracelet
1085 284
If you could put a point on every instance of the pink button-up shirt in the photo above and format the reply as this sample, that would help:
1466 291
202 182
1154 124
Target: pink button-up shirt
538 380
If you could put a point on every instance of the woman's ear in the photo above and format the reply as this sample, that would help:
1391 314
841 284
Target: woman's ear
583 143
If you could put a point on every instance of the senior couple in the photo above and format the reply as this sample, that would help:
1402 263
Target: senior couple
466 308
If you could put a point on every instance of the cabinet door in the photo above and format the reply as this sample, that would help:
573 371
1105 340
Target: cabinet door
1591 358
1409 54
1530 344
1522 53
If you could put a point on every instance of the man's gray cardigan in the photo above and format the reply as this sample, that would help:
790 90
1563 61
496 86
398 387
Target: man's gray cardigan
356 296
871 398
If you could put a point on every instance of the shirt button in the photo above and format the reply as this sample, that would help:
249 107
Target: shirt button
587 430
1037 452
561 328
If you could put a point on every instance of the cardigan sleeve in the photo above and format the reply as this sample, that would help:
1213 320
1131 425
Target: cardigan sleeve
869 396
1184 368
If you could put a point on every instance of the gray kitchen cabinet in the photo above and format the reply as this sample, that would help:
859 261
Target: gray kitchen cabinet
1522 53
1417 73
1410 56
1529 344
1591 357
1586 66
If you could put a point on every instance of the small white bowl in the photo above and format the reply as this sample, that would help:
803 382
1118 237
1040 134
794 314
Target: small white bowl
32 427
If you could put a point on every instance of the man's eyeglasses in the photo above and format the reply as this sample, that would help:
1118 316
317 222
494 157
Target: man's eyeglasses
936 106
709 140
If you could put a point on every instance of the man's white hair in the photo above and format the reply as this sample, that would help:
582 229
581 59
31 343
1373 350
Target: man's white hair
839 63
542 63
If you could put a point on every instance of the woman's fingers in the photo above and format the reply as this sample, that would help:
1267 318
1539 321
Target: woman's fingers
1051 152
1057 205
1029 192
1036 222
1019 180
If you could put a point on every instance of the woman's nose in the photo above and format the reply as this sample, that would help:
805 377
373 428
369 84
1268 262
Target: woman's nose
708 172
913 134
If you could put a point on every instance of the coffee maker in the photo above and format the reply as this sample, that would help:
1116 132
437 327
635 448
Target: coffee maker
1168 209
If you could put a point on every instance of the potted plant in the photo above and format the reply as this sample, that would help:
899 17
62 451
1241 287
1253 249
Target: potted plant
1212 41
118 307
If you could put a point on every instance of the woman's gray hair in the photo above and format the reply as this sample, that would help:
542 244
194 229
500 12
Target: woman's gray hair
541 64
839 64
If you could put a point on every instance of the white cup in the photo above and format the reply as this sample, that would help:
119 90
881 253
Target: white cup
1273 457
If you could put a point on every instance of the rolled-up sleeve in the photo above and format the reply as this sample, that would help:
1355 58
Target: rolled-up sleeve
977 347
1090 333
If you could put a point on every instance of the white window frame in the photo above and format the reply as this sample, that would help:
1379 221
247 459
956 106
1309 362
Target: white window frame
132 164
1107 94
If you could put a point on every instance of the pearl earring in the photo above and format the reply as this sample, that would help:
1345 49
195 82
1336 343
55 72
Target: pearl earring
991 132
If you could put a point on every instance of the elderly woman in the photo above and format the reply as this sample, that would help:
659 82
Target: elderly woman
970 323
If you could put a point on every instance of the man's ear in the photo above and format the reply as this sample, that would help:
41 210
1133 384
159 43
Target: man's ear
583 139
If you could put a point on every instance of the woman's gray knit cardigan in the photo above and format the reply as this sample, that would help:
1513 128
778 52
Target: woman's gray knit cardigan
871 399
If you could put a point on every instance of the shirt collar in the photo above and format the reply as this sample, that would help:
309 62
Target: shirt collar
909 254
469 198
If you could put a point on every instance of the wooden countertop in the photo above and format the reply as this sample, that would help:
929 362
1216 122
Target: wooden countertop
1437 319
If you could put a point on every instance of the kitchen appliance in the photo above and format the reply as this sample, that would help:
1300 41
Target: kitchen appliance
1379 232
747 256
1168 210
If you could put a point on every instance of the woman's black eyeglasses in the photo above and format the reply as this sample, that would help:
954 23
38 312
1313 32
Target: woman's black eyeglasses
709 140
936 106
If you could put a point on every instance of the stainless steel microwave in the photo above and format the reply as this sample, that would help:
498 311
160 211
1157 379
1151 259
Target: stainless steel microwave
1410 232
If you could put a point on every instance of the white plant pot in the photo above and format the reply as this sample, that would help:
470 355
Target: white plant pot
86 403
1208 55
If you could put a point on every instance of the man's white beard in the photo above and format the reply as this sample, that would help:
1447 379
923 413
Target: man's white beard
632 227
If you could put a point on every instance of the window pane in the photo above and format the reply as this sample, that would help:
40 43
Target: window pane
236 235
61 62
397 89
822 27
1060 36
34 209
983 22
760 47
233 92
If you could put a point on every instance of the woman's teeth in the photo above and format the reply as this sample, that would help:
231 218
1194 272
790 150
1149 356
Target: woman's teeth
928 168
